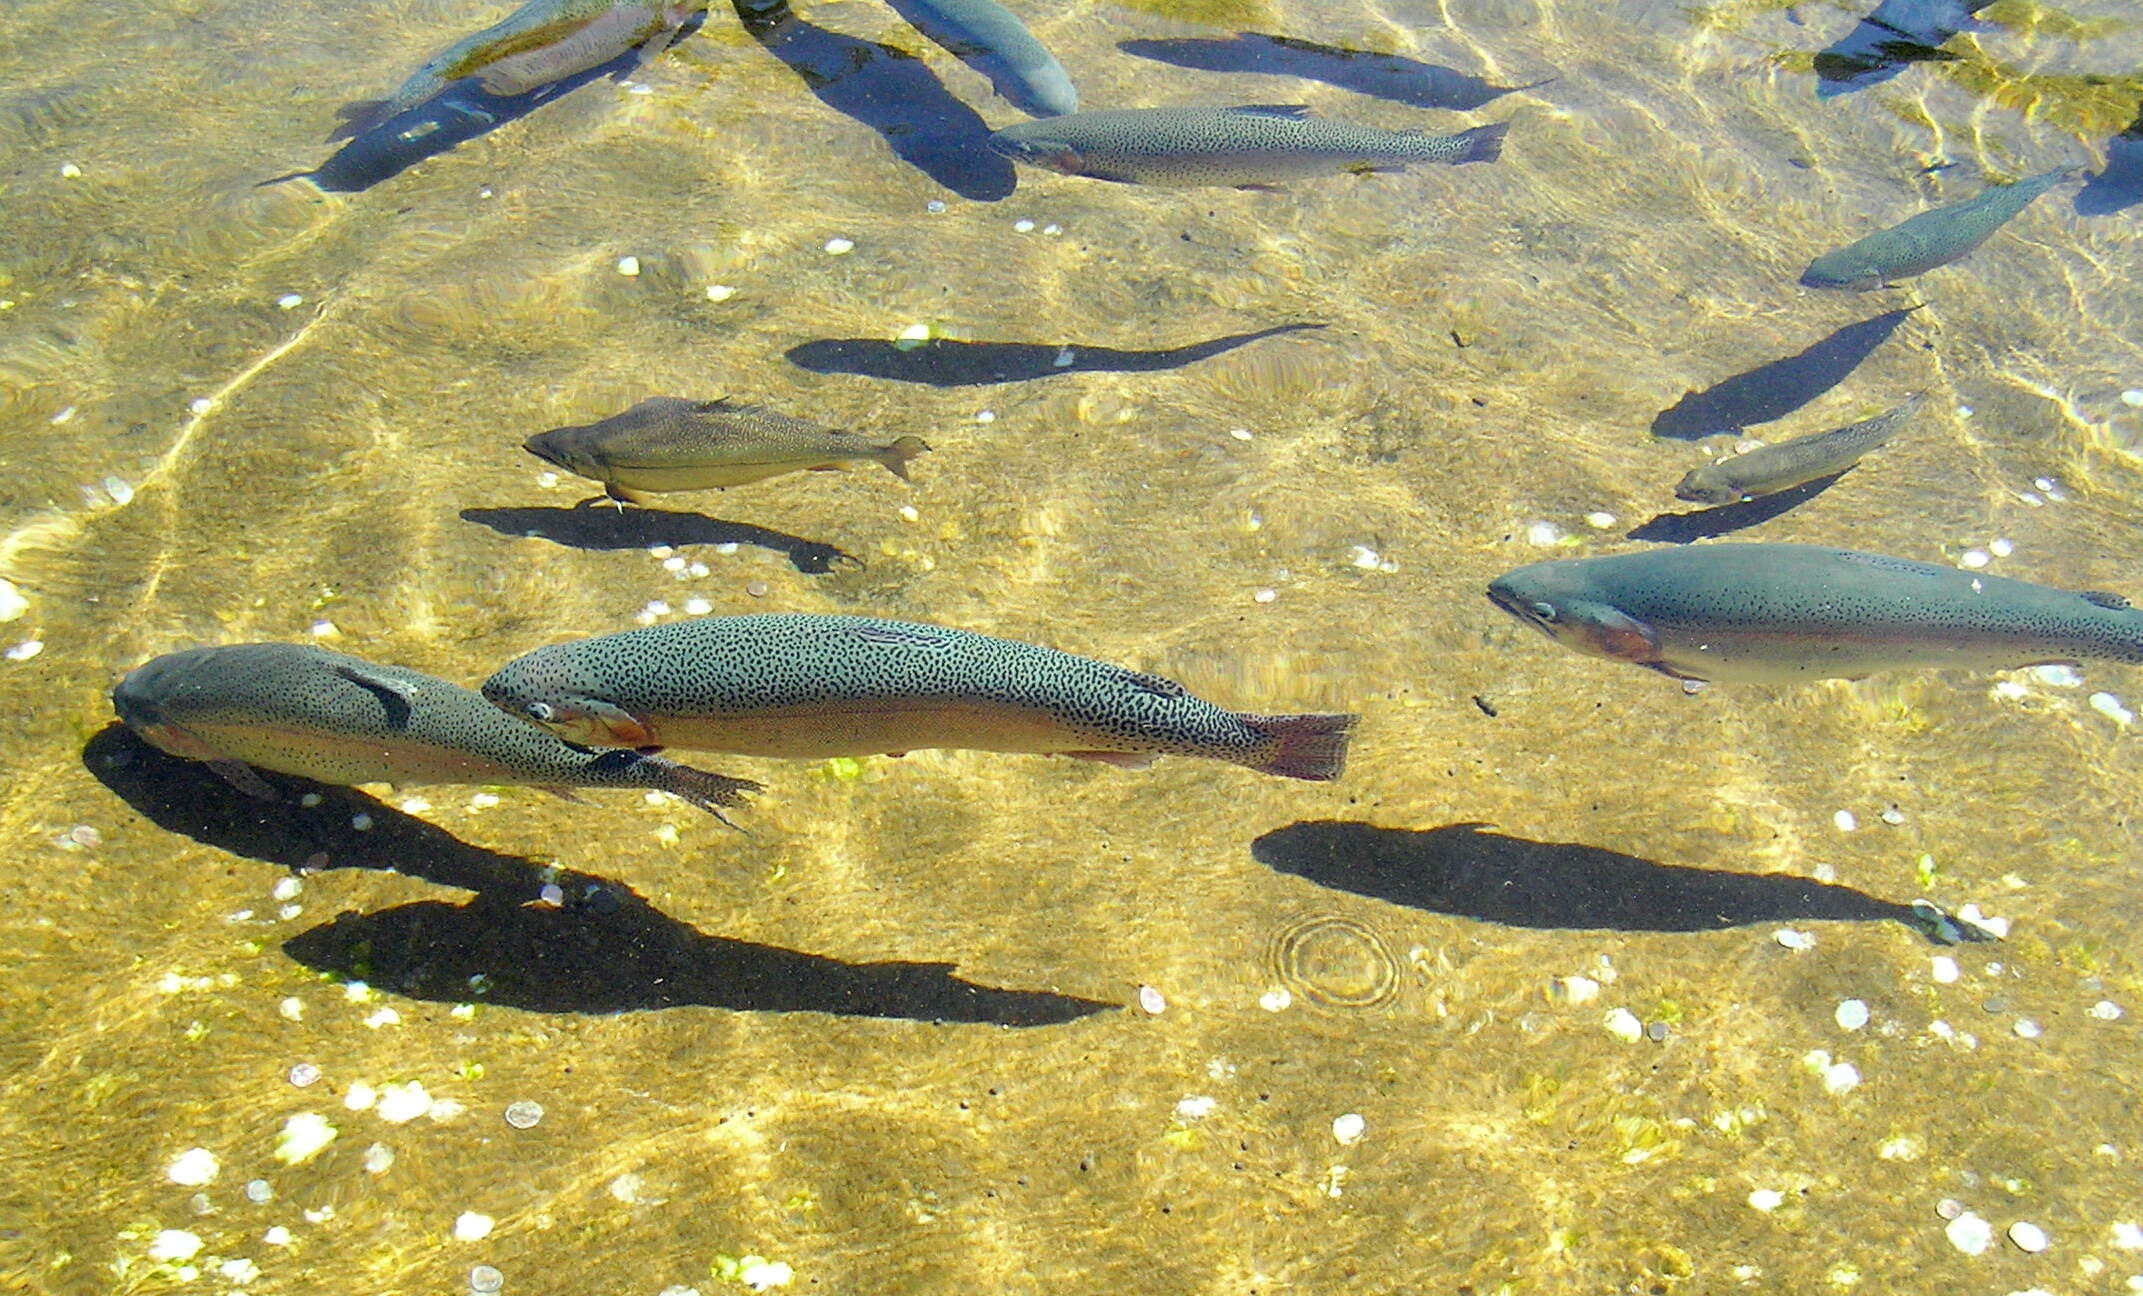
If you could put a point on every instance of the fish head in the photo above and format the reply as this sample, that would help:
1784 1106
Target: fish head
148 696
564 448
540 689
1702 486
1034 144
1835 270
1558 600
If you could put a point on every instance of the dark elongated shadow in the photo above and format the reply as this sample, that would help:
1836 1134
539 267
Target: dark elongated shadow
1467 872
2120 185
890 91
605 950
602 526
1385 76
453 117
1774 390
942 362
1725 519
1897 33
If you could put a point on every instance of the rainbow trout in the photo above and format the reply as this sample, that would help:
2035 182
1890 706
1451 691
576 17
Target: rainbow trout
1780 613
1774 468
811 687
1250 148
992 39
1933 238
667 443
541 42
297 709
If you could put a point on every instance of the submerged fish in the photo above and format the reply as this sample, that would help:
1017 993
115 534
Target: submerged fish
1250 148
667 443
1896 33
297 709
1779 613
993 39
812 687
541 42
1933 238
1792 463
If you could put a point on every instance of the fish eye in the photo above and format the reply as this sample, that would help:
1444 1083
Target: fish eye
541 711
1545 611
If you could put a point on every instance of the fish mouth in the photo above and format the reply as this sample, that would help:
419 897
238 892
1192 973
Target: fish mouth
541 448
1520 607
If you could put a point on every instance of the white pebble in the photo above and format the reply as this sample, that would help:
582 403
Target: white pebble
2026 1028
1794 940
2011 690
1580 989
121 490
379 1159
1366 558
1839 1077
1240 434
1845 820
1349 1128
2001 547
362 822
840 246
1902 1148
63 416
628 266
25 650
985 416
2109 706
547 480
302 1138
174 1245
1973 558
239 1271
1066 357
1265 595
291 1009
1767 1199
1275 1000
360 1097
402 1103
201 405
2057 676
2028 1236
289 301
910 513
2133 396
698 607
1023 226
1052 229
259 1190
1195 1107
914 333
1852 1014
1543 534
2106 1010
12 603
193 1167
1624 1026
1599 521
1943 969
287 888
759 1274
2128 1236
1970 1234
383 1016
472 1227
1893 816
324 629
69 171
720 292
1152 1000
276 1236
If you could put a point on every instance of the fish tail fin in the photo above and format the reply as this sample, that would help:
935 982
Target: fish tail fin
895 457
1482 144
359 117
1312 747
704 788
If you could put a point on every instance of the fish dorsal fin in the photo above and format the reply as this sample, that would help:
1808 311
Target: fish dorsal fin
1154 684
393 694
722 405
889 635
1293 112
2103 599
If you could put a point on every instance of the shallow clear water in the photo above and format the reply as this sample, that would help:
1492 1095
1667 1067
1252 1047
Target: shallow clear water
898 1037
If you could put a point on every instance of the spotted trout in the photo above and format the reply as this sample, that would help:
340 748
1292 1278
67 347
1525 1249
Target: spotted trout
541 42
992 39
667 443
1774 468
1933 238
297 709
811 687
1780 613
1250 148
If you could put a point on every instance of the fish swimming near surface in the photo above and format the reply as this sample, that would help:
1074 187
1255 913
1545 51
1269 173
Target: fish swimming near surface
1933 238
1782 613
812 687
541 42
1250 148
1896 33
992 39
668 443
298 709
1774 468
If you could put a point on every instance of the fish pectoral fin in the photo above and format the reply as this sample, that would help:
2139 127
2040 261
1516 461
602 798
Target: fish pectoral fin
624 729
620 496
242 776
566 794
397 697
1372 168
1611 632
1121 760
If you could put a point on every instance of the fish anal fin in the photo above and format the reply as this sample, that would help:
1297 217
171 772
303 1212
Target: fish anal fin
243 777
1121 760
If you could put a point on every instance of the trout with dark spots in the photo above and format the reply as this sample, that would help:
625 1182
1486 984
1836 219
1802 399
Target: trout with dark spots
812 687
1929 240
1773 468
541 42
993 40
1249 148
297 709
671 444
1781 613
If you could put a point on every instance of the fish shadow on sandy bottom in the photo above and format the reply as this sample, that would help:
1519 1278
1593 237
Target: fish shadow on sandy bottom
601 526
891 91
1382 76
1725 519
456 115
606 950
2120 185
1774 390
943 362
1467 872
